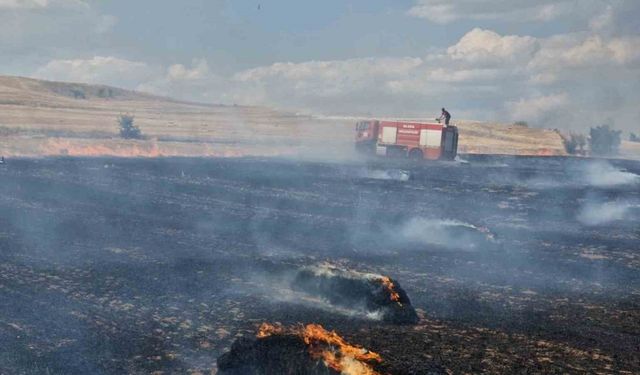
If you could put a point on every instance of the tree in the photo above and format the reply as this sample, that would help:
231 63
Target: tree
634 138
582 142
604 140
128 130
78 94
570 145
574 143
105 92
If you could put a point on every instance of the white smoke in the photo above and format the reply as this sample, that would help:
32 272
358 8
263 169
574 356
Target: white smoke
280 289
385 174
330 270
593 214
288 295
603 174
599 174
446 233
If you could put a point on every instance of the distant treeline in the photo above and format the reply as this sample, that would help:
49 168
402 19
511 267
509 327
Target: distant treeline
603 141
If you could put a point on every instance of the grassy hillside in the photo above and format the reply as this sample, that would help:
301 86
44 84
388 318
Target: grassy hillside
492 138
51 107
54 118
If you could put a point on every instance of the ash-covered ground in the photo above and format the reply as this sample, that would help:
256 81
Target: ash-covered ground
514 265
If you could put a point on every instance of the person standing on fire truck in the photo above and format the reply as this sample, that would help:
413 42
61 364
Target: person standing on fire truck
446 116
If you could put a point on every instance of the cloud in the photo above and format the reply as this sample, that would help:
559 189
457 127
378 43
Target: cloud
586 51
99 70
23 4
616 18
500 77
353 85
200 70
105 23
354 70
564 81
486 47
40 4
537 108
603 20
196 82
446 11
330 78
45 28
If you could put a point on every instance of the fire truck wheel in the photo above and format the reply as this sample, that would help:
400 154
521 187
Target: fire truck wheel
416 154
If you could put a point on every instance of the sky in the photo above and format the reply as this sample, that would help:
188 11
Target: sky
568 64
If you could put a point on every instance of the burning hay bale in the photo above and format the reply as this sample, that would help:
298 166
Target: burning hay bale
306 349
376 295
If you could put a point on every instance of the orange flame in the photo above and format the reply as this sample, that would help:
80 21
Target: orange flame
391 288
329 347
267 330
546 152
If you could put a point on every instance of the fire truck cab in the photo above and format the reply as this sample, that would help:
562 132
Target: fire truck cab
414 140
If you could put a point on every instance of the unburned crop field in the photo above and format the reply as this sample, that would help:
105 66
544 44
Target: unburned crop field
514 264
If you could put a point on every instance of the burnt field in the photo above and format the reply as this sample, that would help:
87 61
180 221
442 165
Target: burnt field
513 265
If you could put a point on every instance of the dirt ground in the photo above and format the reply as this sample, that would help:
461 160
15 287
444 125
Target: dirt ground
111 266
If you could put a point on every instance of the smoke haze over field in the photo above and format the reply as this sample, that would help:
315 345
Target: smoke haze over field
603 174
563 64
446 233
157 255
143 265
608 212
594 173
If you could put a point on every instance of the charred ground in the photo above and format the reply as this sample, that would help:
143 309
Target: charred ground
115 265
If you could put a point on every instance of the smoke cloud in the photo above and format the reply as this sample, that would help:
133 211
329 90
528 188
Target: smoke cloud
593 214
598 174
220 243
453 234
385 174
603 174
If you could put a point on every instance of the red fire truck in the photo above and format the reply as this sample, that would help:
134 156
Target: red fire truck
415 140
